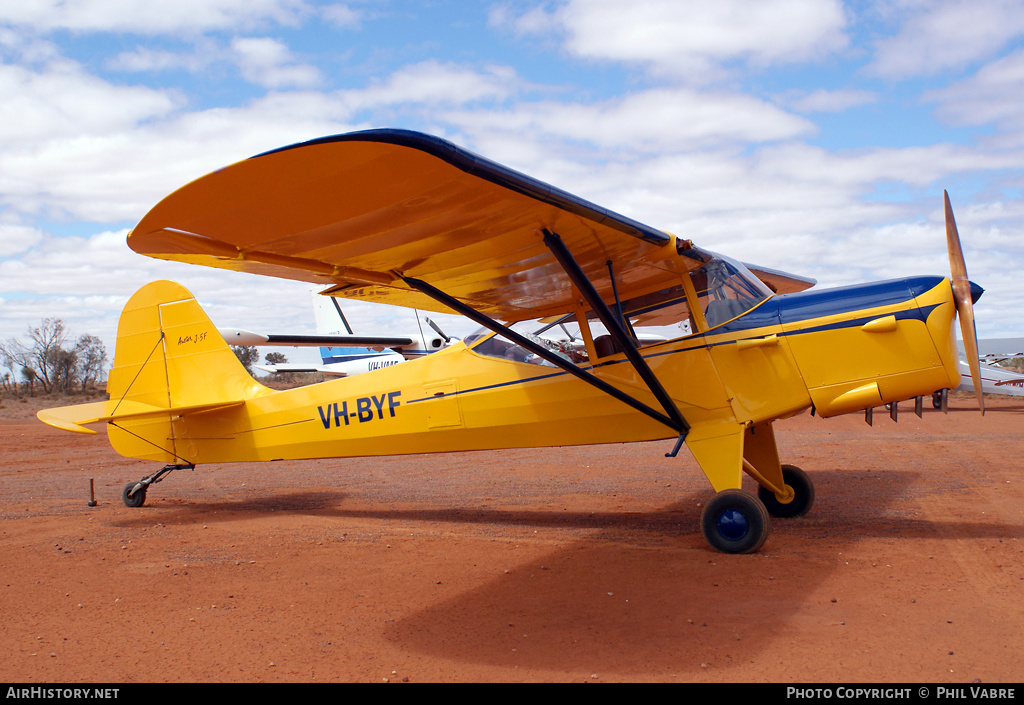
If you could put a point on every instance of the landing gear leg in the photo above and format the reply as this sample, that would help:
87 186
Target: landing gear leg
134 493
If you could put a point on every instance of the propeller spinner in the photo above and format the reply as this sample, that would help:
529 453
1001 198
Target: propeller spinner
964 301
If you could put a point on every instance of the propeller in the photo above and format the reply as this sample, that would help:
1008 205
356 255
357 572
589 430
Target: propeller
964 301
437 329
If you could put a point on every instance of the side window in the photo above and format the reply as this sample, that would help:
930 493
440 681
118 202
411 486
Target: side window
564 345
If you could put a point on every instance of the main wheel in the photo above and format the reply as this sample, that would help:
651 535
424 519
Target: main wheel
735 521
803 494
133 500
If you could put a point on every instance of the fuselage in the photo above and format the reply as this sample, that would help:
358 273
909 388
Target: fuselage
837 350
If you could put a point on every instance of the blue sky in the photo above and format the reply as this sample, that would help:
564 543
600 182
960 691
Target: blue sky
813 136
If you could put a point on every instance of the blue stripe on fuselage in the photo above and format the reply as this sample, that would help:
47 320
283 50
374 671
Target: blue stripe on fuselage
806 305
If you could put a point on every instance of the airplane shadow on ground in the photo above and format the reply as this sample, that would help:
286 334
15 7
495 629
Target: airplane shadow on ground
613 605
620 592
865 511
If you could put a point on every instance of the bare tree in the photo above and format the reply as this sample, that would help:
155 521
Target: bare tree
50 362
30 377
91 358
10 377
63 366
47 353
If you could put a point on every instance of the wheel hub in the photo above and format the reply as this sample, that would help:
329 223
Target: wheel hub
787 496
732 524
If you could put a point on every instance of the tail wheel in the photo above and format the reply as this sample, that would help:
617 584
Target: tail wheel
735 521
803 494
133 497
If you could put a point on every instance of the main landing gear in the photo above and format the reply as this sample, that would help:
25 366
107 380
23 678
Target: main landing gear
134 493
737 521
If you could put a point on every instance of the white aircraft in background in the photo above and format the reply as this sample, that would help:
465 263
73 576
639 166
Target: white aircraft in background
995 379
343 353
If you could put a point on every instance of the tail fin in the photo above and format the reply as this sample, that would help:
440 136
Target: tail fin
330 320
169 354
169 362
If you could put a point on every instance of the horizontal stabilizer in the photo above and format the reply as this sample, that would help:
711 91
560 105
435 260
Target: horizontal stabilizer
73 418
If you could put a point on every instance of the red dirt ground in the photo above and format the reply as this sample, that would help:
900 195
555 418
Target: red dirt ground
576 564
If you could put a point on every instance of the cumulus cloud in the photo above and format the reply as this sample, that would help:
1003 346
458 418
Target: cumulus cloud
62 100
152 17
16 239
434 82
989 97
827 101
654 120
936 37
342 15
269 63
689 38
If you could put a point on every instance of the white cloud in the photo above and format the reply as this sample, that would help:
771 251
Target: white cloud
64 101
990 97
826 101
15 239
690 38
938 36
436 83
342 15
146 59
646 121
152 17
269 63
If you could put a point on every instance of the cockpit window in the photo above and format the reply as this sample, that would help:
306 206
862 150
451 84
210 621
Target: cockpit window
727 289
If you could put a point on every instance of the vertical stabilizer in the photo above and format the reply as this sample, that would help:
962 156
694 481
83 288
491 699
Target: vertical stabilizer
169 355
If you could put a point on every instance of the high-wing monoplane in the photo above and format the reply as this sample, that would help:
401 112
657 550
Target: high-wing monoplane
403 218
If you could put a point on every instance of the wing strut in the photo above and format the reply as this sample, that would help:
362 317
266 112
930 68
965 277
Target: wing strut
615 328
543 352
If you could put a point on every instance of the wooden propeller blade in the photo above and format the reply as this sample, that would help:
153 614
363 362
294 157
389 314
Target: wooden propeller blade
964 303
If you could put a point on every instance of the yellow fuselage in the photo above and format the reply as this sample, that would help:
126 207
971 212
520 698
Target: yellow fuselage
837 350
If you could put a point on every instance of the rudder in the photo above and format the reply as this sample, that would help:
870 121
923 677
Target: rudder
169 355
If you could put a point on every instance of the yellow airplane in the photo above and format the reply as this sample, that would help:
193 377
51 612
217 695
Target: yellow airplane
404 218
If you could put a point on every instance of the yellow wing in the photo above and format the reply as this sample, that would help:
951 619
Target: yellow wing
360 210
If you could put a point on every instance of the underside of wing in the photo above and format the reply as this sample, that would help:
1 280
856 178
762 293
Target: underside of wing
237 336
781 282
365 210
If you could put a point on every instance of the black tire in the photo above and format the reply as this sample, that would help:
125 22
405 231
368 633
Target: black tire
133 500
803 494
735 521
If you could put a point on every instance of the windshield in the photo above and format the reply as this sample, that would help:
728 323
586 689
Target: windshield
727 289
